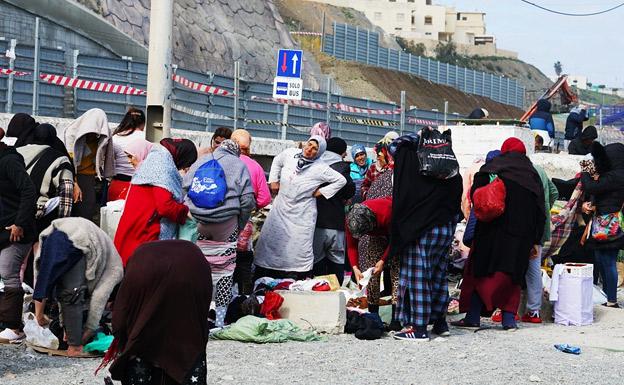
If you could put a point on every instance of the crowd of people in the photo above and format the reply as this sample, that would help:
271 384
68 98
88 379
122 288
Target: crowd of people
184 237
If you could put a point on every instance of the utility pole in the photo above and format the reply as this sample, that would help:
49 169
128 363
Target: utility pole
35 98
402 113
10 84
236 91
159 85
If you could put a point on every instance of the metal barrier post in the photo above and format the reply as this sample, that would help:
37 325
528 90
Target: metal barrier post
128 77
402 112
75 54
328 112
284 121
236 91
10 85
35 99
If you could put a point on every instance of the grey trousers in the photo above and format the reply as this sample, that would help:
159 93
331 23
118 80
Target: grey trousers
71 294
534 290
11 259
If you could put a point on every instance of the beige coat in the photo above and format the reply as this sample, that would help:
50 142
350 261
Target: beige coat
93 121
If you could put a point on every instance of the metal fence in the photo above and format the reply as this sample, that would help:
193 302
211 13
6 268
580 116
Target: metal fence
362 46
262 118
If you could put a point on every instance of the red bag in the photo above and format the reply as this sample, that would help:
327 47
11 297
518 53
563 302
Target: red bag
489 201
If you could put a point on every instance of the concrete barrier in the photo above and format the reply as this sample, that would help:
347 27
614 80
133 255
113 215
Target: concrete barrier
325 312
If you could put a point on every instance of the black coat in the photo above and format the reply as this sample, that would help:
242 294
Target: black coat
608 191
17 196
504 245
574 124
331 212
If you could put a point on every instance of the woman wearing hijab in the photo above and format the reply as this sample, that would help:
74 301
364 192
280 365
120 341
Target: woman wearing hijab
606 193
22 126
384 163
88 139
360 165
154 204
218 227
129 132
159 316
285 245
425 212
501 248
321 129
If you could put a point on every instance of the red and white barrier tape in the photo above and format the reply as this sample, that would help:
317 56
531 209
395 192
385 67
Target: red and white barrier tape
200 87
359 110
91 85
422 122
298 103
6 71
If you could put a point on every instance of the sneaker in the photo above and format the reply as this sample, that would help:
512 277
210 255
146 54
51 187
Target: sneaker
410 334
441 328
8 336
532 317
497 316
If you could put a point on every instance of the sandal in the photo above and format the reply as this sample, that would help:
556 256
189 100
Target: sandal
60 353
463 324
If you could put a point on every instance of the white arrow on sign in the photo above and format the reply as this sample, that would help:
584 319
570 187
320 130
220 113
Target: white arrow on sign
295 59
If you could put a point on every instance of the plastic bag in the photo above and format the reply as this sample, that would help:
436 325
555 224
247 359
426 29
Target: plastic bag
435 153
188 231
38 335
100 343
489 201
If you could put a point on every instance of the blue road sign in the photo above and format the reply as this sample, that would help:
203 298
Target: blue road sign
289 62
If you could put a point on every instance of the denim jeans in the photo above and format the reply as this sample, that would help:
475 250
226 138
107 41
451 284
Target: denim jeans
534 284
606 259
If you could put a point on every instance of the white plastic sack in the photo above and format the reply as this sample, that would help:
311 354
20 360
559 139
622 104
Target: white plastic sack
599 297
110 215
37 335
575 305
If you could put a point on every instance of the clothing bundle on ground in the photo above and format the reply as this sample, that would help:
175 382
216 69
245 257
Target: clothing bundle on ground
365 326
261 331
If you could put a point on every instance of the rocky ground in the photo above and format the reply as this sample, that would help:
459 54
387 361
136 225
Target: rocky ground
486 357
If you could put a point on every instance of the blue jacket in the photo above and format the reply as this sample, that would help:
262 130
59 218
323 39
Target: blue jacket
542 118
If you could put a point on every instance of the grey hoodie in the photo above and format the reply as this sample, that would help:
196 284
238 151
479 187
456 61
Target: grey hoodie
239 198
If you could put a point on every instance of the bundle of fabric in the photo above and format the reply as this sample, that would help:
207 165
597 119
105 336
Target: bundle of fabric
262 331
365 326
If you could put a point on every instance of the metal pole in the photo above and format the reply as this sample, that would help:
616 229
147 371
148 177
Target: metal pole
323 32
75 54
159 71
128 78
328 112
236 91
9 103
35 99
445 111
284 121
402 112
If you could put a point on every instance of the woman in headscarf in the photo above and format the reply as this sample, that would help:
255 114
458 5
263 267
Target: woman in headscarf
425 212
218 227
129 132
88 139
501 248
360 165
154 204
606 196
22 126
159 316
285 245
321 129
384 163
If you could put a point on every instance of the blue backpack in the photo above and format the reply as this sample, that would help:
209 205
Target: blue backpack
209 187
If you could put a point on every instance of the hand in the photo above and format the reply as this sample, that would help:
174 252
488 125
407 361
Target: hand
77 193
588 208
358 274
379 266
17 233
274 187
42 320
317 193
535 252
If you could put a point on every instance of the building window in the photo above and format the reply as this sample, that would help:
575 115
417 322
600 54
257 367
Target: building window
428 20
398 29
428 2
400 17
464 18
428 33
377 16
410 1
459 16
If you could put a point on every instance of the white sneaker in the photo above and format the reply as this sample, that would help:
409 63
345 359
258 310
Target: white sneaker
8 336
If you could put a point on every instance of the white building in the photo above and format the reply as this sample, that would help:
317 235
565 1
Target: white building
424 22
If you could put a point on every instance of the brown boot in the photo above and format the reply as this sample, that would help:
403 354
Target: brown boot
11 305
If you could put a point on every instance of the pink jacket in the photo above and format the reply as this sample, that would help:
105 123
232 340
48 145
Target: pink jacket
258 182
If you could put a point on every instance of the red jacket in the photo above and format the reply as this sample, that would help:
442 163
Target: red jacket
140 221
382 208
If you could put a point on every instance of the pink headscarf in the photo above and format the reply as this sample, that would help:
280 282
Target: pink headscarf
321 129
139 149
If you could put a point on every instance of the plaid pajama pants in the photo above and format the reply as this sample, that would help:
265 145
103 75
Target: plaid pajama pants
423 288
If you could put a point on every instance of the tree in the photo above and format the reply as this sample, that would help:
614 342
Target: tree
558 68
447 52
408 46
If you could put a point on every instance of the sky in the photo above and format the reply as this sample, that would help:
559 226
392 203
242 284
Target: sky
592 46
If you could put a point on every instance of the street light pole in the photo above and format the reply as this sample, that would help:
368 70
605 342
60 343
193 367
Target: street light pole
159 85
